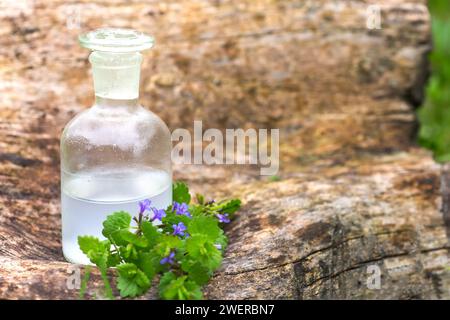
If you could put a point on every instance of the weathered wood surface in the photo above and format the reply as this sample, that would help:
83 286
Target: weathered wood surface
352 192
311 235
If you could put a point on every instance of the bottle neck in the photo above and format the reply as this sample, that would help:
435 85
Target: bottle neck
116 76
116 103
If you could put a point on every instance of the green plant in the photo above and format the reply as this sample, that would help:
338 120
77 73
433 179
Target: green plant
183 244
434 116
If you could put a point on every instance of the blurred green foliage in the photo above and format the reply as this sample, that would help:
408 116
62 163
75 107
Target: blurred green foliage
434 115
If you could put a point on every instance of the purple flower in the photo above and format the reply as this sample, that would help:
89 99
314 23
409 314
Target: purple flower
158 214
223 218
218 246
181 209
144 205
169 259
179 229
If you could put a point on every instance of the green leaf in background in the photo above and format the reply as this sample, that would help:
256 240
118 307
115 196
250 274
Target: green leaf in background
200 198
230 206
180 192
434 115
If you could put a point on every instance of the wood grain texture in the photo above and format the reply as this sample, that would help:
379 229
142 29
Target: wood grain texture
353 193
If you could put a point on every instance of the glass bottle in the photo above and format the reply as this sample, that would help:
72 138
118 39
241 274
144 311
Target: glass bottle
115 153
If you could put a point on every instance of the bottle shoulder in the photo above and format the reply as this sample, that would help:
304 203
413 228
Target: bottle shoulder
106 140
109 125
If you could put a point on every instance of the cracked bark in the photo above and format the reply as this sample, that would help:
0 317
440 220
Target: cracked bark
354 192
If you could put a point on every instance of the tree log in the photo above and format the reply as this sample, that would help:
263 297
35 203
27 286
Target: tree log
355 197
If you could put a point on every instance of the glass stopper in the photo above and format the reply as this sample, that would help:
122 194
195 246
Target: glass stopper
116 40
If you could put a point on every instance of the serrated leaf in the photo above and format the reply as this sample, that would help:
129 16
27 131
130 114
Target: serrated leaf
179 288
113 260
230 206
96 250
180 192
128 252
149 263
194 290
167 244
115 222
166 278
130 237
131 281
88 244
202 250
98 253
204 225
151 233
196 210
196 272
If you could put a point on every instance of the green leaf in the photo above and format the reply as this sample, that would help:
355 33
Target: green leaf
197 210
151 233
165 281
130 237
230 206
167 244
180 192
113 260
222 240
202 250
196 272
131 282
194 290
128 252
171 287
90 244
205 225
148 262
97 251
84 281
115 222
200 198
